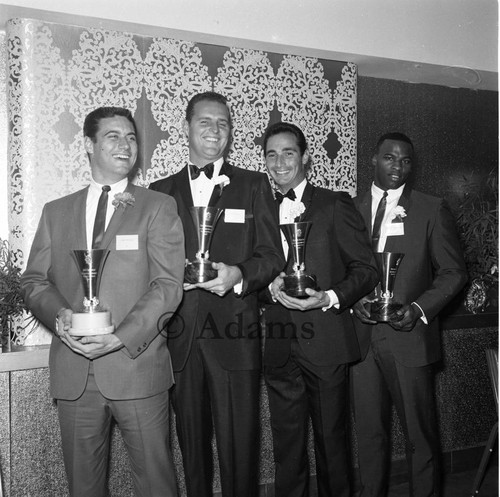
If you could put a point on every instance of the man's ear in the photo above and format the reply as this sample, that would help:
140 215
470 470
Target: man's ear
374 160
305 157
89 145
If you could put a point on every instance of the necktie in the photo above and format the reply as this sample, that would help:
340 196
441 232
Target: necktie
196 171
100 217
289 194
377 224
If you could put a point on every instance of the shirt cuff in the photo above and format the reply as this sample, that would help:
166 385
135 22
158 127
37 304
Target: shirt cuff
422 317
334 300
238 287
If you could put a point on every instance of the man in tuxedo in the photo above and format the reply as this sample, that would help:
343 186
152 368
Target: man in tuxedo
214 337
398 357
124 376
310 341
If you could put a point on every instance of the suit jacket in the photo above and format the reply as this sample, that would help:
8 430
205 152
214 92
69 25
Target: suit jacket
431 273
138 286
339 254
228 325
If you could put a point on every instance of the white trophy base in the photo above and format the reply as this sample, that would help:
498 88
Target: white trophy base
91 323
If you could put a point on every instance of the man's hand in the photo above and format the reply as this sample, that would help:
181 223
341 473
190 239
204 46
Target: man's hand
227 277
361 310
316 300
276 286
406 318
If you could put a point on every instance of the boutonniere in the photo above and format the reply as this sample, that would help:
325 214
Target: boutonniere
398 214
297 209
221 181
123 199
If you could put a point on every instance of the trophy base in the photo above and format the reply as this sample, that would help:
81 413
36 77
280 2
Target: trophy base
91 323
295 285
384 312
199 272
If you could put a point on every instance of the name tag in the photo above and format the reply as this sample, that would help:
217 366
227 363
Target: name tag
127 242
395 229
234 215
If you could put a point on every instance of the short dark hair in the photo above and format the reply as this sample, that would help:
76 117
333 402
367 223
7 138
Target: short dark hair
393 135
211 96
282 127
91 124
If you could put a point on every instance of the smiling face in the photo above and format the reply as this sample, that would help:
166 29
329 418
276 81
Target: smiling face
114 151
284 161
393 163
208 132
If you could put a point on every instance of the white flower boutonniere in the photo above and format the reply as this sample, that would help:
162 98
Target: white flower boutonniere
297 209
222 180
398 214
123 199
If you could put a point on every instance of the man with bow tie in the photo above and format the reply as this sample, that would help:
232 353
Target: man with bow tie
214 338
310 341
398 357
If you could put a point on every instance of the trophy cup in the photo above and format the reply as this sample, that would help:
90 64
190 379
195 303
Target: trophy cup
200 269
92 318
383 308
295 284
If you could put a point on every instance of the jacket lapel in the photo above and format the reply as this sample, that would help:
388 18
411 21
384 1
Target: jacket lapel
227 170
307 200
80 225
117 218
365 209
394 243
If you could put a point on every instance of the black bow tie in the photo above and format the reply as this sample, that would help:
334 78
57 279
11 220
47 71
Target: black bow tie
289 194
196 171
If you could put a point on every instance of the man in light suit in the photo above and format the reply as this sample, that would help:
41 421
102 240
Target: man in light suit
125 375
310 341
214 337
398 357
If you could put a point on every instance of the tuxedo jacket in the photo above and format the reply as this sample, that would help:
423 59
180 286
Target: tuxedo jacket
338 253
431 273
141 283
246 235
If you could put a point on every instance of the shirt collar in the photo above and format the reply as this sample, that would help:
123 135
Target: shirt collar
391 194
118 187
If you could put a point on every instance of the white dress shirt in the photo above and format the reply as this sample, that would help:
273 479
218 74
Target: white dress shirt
95 190
202 187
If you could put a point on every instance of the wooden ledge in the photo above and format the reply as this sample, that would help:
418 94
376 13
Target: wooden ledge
21 358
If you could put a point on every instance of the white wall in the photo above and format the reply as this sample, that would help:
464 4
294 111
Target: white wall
413 40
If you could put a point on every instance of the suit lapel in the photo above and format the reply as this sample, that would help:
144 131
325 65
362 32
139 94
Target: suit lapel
307 200
227 170
80 225
117 218
394 243
365 209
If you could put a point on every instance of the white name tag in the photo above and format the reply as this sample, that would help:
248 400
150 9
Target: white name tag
234 215
127 242
395 229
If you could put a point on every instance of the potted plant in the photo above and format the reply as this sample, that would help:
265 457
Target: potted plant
477 221
13 310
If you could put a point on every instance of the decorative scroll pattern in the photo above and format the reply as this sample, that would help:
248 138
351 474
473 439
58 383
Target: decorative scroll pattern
57 74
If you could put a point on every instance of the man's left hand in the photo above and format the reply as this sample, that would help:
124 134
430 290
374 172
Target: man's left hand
227 278
316 300
96 346
406 318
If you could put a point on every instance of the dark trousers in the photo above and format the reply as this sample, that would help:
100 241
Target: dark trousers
85 431
297 391
377 382
205 397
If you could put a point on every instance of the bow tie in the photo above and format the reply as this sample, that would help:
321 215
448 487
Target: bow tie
196 171
289 194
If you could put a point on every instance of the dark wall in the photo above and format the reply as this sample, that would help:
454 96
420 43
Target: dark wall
454 130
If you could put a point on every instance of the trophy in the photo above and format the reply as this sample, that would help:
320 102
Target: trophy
383 308
200 269
92 318
295 284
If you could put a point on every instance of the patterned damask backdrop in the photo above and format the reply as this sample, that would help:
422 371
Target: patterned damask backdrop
57 74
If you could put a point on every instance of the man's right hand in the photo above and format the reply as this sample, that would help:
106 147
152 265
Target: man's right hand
361 310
